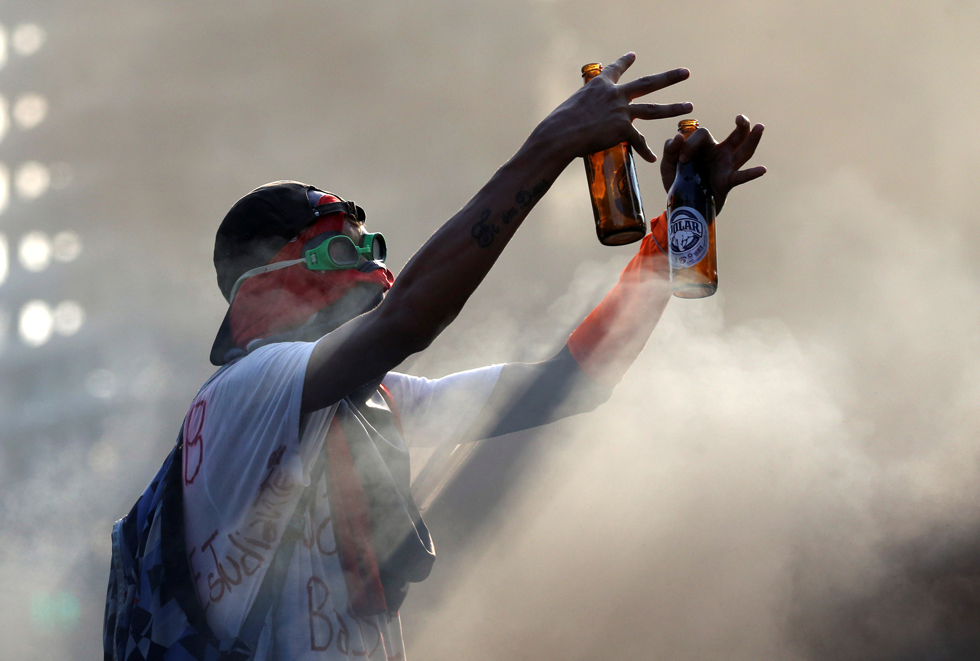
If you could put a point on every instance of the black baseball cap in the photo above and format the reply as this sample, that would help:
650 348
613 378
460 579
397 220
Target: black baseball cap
256 228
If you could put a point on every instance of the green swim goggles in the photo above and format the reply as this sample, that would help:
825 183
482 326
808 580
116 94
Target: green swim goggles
339 252
336 252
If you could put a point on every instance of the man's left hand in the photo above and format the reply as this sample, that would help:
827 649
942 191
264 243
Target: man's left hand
719 161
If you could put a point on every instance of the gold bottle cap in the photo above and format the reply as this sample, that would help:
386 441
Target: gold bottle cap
687 126
591 70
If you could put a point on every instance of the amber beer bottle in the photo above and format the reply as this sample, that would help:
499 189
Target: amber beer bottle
691 229
616 202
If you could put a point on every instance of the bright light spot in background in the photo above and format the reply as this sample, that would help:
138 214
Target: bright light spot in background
67 246
36 322
32 180
103 458
3 47
101 383
4 188
28 38
68 317
55 612
4 117
60 175
34 251
30 110
4 260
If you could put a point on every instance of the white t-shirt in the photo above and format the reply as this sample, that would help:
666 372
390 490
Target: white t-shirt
248 454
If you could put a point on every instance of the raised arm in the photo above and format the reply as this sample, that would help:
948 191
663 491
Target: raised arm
582 375
441 276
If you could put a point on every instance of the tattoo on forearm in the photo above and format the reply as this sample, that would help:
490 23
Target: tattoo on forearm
484 230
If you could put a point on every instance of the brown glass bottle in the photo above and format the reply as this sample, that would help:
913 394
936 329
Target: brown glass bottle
691 229
616 202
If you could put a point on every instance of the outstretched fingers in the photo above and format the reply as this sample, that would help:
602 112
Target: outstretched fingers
658 81
658 110
747 149
640 87
745 176
639 143
738 135
615 70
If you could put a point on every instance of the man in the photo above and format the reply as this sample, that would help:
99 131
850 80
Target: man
305 416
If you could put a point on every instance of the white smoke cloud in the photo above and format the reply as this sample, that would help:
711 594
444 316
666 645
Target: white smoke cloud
743 481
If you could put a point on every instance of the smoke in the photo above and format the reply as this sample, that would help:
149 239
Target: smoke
788 471
754 491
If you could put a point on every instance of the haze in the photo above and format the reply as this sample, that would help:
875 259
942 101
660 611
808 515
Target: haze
790 469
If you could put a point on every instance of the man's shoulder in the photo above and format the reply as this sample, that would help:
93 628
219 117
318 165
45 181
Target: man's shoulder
270 376
276 352
269 358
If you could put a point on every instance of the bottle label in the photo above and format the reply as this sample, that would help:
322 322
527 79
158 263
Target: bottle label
687 237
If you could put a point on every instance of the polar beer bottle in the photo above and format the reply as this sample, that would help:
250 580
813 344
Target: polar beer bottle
616 202
691 229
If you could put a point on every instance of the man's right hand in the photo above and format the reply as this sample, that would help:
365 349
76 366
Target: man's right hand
601 113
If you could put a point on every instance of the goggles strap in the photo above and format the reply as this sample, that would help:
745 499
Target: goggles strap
348 208
257 271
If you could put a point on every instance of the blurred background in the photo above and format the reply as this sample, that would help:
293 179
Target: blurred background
789 471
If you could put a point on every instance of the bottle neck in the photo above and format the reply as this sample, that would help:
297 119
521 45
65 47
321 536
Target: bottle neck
686 128
590 71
